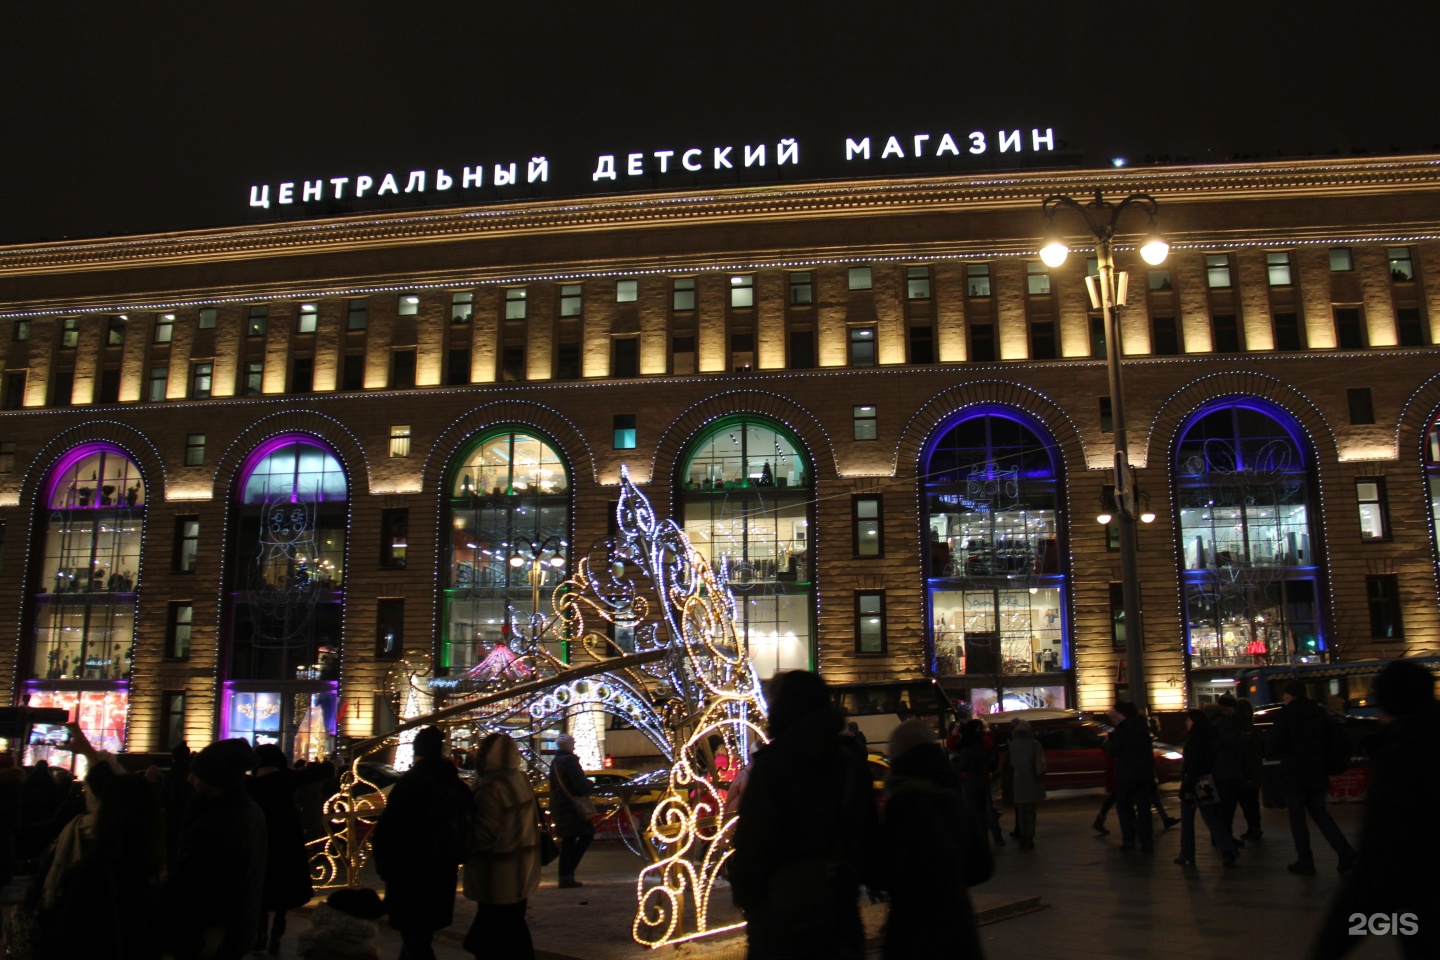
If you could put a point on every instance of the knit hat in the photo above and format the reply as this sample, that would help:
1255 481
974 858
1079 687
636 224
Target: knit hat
223 764
428 742
909 735
565 743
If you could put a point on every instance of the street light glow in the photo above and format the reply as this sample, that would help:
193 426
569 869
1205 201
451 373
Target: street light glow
1154 250
1055 251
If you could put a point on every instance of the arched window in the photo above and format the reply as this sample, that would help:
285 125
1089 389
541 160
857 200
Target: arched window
90 520
285 591
1244 482
745 496
508 543
998 597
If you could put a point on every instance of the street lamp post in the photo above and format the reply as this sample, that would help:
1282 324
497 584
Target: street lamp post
550 551
1107 291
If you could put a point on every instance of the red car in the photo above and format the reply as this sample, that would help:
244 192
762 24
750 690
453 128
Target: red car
1075 747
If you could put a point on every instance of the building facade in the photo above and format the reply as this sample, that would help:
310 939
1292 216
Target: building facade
250 476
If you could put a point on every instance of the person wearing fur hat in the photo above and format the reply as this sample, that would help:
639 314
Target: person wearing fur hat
213 891
933 847
287 866
504 868
567 782
343 927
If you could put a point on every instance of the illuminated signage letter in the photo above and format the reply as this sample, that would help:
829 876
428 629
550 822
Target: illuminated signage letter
388 185
504 176
754 155
852 148
789 151
977 142
892 146
416 183
685 160
363 183
722 158
286 193
476 176
635 164
947 143
339 184
261 199
919 139
539 169
314 190
664 157
1048 139
605 169
1009 141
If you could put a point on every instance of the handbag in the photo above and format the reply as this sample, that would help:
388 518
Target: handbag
1207 793
548 848
584 806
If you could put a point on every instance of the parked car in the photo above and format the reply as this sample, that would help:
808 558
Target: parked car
1075 747
1348 787
611 783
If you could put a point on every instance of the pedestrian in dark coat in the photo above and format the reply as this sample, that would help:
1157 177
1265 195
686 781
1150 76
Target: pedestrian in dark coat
1399 836
807 833
1298 740
287 865
933 848
1129 743
1028 766
415 847
212 895
1229 764
1197 793
567 783
972 767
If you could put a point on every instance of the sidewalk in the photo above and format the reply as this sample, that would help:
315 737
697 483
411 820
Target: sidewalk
1075 896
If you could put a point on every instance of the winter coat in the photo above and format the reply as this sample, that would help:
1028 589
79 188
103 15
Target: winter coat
566 769
1027 760
1297 740
973 769
287 864
334 935
1202 746
505 866
932 848
412 844
213 891
1227 762
1130 745
1399 842
805 841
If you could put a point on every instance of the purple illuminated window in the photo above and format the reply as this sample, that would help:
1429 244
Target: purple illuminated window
292 466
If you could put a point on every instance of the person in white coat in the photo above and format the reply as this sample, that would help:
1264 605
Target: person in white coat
1027 762
503 869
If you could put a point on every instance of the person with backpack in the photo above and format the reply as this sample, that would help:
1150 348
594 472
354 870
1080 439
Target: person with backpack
1299 739
419 842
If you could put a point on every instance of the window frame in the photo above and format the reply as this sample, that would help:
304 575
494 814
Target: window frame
1382 601
173 651
861 596
399 446
185 558
856 336
857 525
257 321
859 279
1380 501
865 428
164 330
202 371
357 314
194 450
625 431
742 288
307 318
912 278
462 306
683 298
394 522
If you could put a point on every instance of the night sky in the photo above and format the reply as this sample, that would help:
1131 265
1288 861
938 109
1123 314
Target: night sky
127 118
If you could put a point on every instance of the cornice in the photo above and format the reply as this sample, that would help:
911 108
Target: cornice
913 195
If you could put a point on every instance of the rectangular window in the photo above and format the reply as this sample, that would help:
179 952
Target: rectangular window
1107 416
308 318
512 364
802 289
862 346
156 384
70 333
1226 332
258 320
1349 328
865 422
627 291
201 375
1117 616
207 317
922 343
394 535
682 294
352 371
177 630
462 306
14 397
194 449
402 370
399 440
7 456
302 375
682 356
1164 337
624 432
567 362
1037 279
1217 271
869 621
516 303
1374 513
742 351
866 519
389 628
1277 267
115 330
457 366
1042 340
625 357
164 327
254 377
357 314
977 278
917 283
172 719
802 349
982 342
1383 592
408 305
62 388
572 302
858 278
1341 260
1362 409
109 385
1159 278
187 544
1097 337
1402 268
21 331
1289 335
1409 327
742 291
